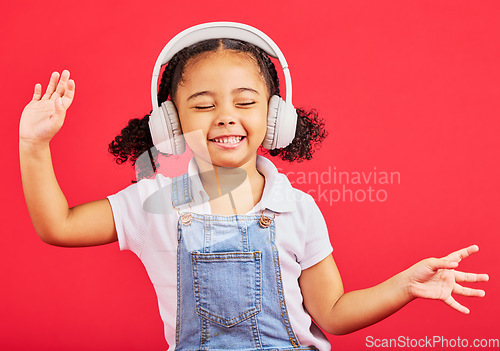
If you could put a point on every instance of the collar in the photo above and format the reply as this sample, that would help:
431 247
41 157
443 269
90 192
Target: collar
278 195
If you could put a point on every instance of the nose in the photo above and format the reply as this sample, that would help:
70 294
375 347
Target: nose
225 121
225 116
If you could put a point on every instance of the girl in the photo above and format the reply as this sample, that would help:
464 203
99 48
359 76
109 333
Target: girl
239 259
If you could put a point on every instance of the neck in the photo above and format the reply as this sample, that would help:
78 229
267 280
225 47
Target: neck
244 183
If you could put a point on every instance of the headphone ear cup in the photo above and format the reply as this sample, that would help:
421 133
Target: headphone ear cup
174 128
165 129
281 124
272 116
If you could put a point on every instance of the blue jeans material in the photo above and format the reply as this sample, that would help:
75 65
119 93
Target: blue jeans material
229 289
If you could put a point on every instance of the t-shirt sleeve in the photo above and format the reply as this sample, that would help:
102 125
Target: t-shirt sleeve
131 221
135 208
317 241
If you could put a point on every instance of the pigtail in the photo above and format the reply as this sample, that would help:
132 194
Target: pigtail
310 133
134 140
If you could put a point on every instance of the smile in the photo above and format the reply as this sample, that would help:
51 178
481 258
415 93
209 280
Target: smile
228 140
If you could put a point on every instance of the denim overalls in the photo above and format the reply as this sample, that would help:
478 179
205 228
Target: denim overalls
229 289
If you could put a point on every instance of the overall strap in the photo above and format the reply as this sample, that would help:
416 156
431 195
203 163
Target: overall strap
181 190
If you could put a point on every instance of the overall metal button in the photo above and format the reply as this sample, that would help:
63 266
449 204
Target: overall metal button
186 218
265 221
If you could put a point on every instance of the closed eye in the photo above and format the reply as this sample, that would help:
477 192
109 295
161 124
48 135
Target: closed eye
246 103
203 107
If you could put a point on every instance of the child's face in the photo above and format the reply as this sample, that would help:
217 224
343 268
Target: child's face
224 95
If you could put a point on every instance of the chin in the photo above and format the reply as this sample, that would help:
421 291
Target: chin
230 163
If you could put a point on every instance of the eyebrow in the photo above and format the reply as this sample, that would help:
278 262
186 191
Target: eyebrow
235 91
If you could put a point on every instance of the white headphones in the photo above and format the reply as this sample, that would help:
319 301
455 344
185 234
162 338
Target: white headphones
164 122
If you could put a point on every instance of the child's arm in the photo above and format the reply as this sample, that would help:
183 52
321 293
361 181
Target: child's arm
341 313
83 225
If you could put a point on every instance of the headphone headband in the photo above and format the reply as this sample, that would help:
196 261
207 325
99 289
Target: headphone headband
217 30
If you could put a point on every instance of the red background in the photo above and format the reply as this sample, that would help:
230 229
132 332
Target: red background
405 86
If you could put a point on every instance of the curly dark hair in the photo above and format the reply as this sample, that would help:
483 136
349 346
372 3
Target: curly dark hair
135 139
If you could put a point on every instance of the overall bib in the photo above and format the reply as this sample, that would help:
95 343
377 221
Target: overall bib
229 289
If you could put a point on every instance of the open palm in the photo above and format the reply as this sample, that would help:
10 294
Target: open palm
44 115
436 278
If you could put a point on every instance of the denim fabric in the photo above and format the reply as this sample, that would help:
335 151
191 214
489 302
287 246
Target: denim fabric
229 289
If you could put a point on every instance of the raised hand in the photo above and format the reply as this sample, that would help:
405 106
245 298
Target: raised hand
436 278
44 115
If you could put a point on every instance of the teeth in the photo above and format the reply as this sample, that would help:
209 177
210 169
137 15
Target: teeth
228 140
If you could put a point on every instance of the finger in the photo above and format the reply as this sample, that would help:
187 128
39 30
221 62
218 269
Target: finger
441 263
470 277
69 93
464 291
52 86
38 92
61 86
462 253
450 301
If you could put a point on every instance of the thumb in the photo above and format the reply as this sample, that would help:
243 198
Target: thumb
441 263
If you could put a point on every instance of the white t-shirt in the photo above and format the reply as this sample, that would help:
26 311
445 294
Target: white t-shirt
150 231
